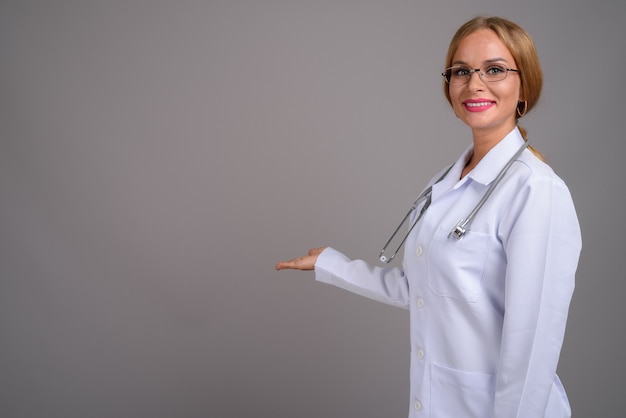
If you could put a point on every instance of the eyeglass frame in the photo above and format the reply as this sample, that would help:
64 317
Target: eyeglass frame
479 72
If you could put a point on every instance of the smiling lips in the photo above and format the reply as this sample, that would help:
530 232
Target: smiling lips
478 105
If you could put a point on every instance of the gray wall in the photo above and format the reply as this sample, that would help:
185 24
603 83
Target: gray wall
158 157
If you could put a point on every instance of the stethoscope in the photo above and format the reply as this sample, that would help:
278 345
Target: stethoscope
461 228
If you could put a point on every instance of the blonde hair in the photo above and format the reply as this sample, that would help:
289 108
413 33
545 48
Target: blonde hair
522 48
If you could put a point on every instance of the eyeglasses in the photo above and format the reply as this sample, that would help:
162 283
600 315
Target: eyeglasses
460 74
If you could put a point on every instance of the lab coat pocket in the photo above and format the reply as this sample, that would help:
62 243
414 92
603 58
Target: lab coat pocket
456 267
461 394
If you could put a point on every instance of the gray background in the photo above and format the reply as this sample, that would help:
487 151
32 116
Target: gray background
158 157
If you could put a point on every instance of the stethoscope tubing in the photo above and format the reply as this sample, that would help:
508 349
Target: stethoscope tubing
462 226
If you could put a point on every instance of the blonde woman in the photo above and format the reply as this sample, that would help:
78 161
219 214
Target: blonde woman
489 298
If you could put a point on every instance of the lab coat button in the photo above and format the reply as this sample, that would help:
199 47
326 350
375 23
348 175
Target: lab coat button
419 251
420 354
420 303
417 405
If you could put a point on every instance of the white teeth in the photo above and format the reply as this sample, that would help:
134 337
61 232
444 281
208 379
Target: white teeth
478 104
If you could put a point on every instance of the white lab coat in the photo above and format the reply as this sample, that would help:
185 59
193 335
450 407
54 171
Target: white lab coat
488 312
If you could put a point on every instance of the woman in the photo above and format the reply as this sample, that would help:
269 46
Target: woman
489 300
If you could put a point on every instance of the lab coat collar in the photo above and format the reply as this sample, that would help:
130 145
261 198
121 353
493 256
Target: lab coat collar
487 169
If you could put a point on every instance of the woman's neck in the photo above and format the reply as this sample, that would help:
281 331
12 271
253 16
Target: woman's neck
483 143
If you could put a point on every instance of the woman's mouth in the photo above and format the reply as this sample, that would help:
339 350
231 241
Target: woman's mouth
479 105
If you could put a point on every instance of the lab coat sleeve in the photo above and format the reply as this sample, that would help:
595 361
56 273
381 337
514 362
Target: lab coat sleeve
384 284
542 247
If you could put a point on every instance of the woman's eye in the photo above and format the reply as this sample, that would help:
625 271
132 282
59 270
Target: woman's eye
461 71
495 69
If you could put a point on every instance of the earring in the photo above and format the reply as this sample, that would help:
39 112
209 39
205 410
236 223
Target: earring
522 113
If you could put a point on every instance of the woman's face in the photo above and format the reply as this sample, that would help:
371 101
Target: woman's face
486 107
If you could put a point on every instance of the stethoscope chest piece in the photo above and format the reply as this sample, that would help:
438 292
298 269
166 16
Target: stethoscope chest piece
458 231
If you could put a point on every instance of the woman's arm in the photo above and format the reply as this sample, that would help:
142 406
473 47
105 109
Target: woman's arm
388 285
542 250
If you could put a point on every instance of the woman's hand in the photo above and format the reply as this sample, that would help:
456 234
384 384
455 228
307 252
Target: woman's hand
306 262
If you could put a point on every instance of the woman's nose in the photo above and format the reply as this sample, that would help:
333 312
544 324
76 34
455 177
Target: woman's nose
475 81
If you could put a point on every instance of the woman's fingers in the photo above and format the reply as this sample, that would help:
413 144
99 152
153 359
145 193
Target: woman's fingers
306 262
